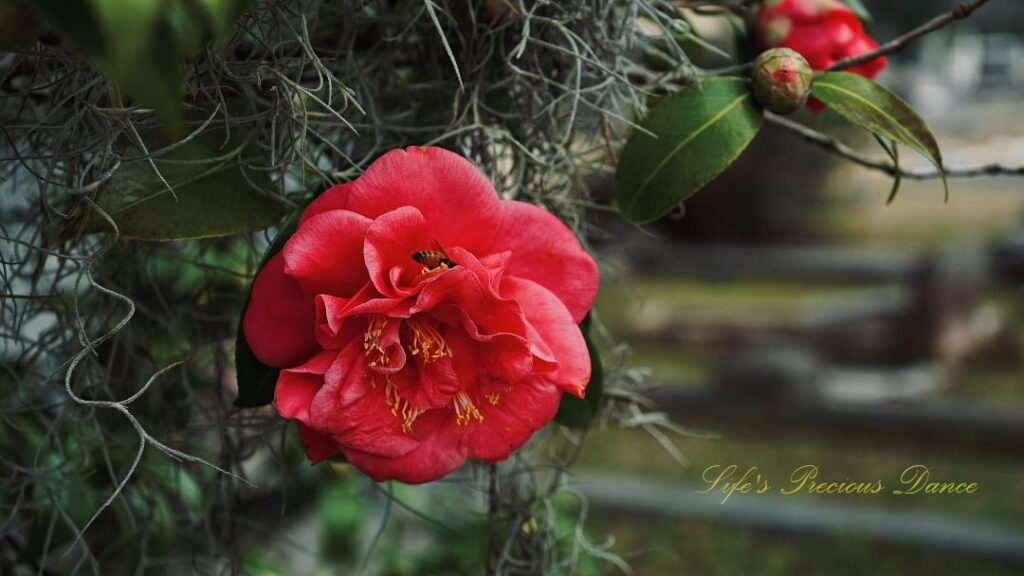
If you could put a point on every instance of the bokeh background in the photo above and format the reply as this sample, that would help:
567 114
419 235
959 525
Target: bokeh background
793 313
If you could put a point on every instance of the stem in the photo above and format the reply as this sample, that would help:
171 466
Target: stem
834 146
963 10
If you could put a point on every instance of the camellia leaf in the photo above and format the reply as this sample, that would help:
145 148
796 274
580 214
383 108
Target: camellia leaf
699 131
859 10
580 412
879 111
256 380
890 148
198 190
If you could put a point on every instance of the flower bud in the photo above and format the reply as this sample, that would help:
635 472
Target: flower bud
782 80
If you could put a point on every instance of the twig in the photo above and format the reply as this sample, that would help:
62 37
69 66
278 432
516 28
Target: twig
962 10
836 147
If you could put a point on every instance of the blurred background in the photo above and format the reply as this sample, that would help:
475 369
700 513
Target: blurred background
790 311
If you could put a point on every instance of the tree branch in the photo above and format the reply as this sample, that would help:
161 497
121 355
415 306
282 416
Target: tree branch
834 146
963 10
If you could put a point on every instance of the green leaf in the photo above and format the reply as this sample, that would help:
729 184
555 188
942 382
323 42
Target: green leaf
859 10
205 191
128 27
700 131
879 111
140 44
580 412
256 380
890 148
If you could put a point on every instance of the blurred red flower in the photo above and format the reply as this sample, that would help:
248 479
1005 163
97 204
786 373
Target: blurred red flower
822 31
420 320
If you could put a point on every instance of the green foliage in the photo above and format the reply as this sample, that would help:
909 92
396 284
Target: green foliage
140 44
879 111
890 148
341 508
199 189
688 139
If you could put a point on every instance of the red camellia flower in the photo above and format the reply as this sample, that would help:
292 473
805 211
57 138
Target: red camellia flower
419 320
822 31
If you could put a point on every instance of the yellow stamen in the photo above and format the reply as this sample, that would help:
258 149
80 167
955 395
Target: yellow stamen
400 407
465 410
493 398
378 356
427 342
427 270
409 415
375 353
391 398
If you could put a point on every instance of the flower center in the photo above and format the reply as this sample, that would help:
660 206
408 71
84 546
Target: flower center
433 260
429 345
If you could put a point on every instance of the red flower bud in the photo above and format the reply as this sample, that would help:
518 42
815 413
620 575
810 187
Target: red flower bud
782 80
822 31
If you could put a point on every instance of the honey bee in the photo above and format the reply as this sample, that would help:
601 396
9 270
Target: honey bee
433 259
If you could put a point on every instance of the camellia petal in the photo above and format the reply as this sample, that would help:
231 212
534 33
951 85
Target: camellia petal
356 409
548 316
325 253
278 323
319 447
391 242
436 456
444 186
544 250
512 418
297 386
